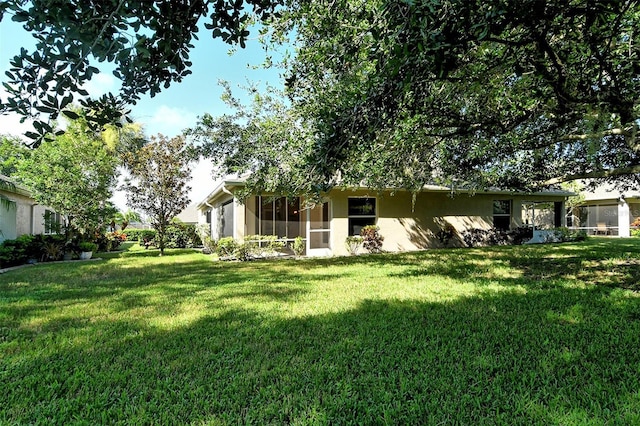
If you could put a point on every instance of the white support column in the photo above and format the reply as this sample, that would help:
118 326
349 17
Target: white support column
624 230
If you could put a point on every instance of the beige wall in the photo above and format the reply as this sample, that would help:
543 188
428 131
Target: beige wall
29 216
406 226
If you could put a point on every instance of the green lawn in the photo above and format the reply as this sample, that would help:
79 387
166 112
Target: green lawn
509 335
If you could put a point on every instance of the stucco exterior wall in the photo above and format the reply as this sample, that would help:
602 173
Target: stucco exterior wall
406 226
24 217
405 222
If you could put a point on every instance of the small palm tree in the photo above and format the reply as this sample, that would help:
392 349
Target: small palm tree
124 218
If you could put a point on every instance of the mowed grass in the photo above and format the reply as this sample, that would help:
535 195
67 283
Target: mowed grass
509 335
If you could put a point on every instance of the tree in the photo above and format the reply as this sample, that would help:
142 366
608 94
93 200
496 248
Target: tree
124 218
266 141
516 94
158 183
148 42
73 174
12 151
394 93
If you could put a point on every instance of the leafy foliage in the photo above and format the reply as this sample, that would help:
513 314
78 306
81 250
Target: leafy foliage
445 234
149 43
158 183
476 237
267 141
109 241
371 238
226 247
139 235
124 218
182 235
74 174
12 152
353 244
299 246
517 94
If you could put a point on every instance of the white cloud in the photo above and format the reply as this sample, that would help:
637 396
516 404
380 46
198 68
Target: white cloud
10 125
202 182
101 84
168 120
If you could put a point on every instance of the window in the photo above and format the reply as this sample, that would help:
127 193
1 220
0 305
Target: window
279 217
502 214
362 212
208 216
51 222
226 219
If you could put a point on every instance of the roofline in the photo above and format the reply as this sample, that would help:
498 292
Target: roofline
228 184
222 187
18 188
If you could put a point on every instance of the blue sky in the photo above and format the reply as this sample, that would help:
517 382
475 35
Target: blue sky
175 108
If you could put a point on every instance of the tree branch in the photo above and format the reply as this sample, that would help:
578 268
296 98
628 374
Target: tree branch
630 170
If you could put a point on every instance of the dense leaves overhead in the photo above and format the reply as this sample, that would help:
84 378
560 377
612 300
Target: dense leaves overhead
491 92
387 93
147 41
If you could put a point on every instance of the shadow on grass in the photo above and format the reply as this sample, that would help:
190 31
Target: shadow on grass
556 357
537 354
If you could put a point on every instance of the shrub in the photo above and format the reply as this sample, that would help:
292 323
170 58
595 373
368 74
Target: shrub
87 246
139 235
110 241
244 251
635 232
298 246
18 251
262 245
371 238
565 235
521 235
445 234
476 237
492 237
353 244
208 244
226 247
182 235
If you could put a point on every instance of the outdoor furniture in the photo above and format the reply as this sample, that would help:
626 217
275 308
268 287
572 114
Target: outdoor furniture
602 229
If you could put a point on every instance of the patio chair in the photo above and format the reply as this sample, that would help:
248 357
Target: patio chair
602 229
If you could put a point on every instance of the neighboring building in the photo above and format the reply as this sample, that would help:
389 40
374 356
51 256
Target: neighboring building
189 215
407 223
606 211
20 214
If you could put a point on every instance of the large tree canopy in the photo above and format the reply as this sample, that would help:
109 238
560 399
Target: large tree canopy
391 93
476 93
147 41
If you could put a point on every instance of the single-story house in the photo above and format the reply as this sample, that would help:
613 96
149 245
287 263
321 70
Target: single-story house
20 214
407 221
606 211
189 215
